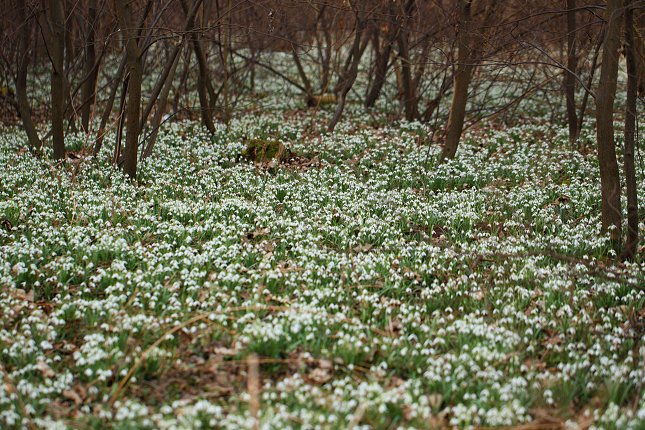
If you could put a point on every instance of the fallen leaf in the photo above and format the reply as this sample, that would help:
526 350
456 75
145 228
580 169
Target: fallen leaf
409 273
395 381
325 364
409 413
6 224
16 270
259 232
435 400
320 376
45 370
73 396
220 350
478 295
58 409
363 248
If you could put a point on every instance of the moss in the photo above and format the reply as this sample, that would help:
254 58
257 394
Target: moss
262 151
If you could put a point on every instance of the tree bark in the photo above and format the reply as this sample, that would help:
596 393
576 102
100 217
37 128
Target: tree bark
108 108
585 98
569 76
301 71
21 79
161 108
409 92
225 55
325 59
163 78
57 82
134 88
183 78
353 71
467 58
461 82
117 81
609 174
89 88
629 252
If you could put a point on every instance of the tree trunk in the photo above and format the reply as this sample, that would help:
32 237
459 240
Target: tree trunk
353 71
57 82
382 63
569 76
225 55
325 61
630 127
21 79
89 87
134 88
409 100
585 98
161 108
462 80
301 71
183 78
163 78
409 89
108 108
204 87
68 55
609 174
117 81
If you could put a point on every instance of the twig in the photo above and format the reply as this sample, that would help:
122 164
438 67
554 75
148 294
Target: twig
253 388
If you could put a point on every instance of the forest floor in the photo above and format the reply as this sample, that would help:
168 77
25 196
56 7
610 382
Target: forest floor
359 284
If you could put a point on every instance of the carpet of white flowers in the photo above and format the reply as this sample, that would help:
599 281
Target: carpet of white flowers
377 288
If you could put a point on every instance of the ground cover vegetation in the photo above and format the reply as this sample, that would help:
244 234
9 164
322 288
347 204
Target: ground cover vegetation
367 215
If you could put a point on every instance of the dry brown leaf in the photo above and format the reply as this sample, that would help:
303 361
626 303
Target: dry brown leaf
73 396
325 364
477 295
395 381
58 409
408 413
220 350
45 370
260 232
411 274
435 400
320 376
363 248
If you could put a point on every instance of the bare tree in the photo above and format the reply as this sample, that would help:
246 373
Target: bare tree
57 80
382 62
350 75
630 130
569 76
21 77
609 174
91 68
461 82
134 88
